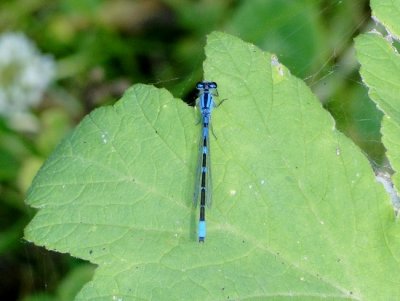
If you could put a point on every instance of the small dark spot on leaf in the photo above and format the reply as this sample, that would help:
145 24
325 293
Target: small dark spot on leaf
243 241
223 288
351 293
91 251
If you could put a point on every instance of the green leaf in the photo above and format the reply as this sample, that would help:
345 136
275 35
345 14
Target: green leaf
296 211
387 12
380 70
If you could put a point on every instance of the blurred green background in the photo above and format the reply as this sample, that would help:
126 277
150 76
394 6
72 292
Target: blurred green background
101 47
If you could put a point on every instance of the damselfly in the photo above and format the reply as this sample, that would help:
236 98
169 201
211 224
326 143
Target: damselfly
207 90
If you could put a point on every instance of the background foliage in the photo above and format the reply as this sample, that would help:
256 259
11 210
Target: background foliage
102 47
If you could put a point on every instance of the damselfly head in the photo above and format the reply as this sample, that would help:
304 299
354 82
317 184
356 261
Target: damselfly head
206 85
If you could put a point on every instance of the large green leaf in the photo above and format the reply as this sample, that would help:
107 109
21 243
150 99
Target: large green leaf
296 211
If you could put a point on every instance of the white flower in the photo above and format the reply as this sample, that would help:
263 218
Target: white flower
24 74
